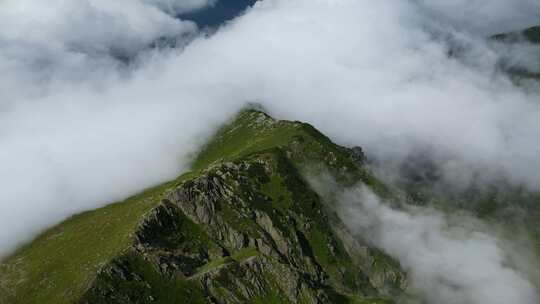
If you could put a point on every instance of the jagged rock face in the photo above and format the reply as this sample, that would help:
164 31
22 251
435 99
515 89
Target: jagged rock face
242 232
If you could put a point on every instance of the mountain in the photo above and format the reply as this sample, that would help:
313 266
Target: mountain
528 41
531 35
244 226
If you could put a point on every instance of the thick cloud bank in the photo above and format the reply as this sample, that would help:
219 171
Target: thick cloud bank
81 125
77 129
78 40
449 261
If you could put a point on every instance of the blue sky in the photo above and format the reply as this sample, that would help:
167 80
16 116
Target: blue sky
219 13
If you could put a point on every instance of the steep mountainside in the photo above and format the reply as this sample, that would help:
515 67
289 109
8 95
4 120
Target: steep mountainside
243 227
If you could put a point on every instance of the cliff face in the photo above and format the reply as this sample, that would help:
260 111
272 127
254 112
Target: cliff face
244 227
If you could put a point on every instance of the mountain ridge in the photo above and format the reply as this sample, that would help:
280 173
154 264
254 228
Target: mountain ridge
243 227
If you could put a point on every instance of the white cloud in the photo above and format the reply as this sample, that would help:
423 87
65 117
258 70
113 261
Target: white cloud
450 261
485 17
75 40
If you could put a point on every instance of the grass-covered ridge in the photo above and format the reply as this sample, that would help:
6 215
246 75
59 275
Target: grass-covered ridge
61 264
254 131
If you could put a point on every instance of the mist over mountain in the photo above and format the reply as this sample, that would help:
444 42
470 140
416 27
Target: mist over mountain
101 100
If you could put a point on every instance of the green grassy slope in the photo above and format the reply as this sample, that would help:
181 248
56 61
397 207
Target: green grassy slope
62 262
254 131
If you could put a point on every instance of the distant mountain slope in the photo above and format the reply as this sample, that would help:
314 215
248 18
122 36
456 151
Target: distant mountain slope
528 38
531 35
243 227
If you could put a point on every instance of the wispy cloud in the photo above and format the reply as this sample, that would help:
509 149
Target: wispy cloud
450 260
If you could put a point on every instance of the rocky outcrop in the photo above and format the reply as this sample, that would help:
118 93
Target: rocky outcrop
245 231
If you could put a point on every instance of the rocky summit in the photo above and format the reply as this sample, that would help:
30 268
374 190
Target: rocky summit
244 226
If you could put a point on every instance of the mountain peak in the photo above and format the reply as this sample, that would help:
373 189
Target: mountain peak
244 226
